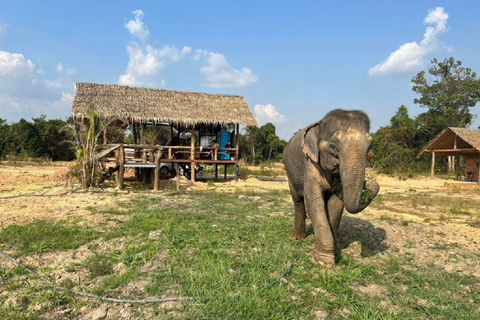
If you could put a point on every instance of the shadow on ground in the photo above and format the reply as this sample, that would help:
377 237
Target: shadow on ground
355 230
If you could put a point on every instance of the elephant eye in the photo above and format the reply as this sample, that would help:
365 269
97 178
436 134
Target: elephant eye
333 150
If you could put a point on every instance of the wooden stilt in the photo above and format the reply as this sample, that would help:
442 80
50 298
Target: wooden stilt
178 178
225 173
235 172
144 170
156 183
216 171
192 155
121 169
457 167
432 174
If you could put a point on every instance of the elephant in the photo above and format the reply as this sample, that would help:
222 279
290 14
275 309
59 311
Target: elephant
325 164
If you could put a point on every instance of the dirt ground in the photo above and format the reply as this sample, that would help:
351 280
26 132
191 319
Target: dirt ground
414 217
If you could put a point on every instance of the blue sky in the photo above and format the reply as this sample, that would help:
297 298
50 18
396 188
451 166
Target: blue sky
293 61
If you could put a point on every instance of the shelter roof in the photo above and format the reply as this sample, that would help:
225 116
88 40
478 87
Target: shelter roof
160 105
467 141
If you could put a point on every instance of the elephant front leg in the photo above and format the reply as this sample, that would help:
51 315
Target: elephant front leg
335 211
324 251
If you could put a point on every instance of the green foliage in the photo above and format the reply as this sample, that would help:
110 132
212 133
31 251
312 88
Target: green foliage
449 91
40 139
260 144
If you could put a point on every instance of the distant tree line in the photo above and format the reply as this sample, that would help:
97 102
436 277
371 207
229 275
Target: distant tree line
448 91
261 144
40 138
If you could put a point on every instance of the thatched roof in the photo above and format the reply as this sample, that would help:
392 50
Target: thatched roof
468 141
160 106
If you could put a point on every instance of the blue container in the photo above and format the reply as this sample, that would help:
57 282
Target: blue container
224 137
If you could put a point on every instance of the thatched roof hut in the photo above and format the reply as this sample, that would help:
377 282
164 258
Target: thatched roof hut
453 141
456 142
143 105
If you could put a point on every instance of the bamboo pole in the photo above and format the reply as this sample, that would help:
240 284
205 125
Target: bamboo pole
121 169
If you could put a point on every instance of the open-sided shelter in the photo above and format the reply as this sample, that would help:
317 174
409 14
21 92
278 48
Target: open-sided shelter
204 116
457 142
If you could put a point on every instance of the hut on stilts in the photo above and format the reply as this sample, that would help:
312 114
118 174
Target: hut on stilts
197 117
456 143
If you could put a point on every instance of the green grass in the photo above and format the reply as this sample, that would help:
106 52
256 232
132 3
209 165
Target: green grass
42 236
229 254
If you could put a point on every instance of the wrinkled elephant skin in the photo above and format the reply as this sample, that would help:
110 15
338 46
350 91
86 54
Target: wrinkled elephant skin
325 164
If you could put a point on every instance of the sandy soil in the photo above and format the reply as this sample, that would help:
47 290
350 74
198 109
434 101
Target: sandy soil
432 221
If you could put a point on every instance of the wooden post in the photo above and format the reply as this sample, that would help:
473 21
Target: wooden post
457 166
235 170
216 171
178 178
192 155
152 156
144 170
433 165
478 169
157 171
225 173
136 153
121 169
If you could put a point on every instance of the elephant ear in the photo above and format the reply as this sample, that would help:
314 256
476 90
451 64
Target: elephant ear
311 141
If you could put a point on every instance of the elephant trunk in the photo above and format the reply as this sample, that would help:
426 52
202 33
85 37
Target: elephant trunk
352 173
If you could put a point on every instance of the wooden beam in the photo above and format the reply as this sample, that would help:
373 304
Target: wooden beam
471 150
432 174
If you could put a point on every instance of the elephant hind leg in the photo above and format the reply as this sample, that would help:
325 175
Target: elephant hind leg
299 228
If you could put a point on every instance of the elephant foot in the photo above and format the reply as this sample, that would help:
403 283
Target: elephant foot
326 260
299 235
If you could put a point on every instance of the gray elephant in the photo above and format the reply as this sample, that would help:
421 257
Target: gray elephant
325 164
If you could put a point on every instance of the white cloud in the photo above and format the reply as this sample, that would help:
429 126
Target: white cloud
25 90
146 61
59 67
136 27
410 56
15 64
268 113
220 74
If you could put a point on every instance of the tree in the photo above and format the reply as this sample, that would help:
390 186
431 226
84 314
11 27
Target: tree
449 91
395 146
259 144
